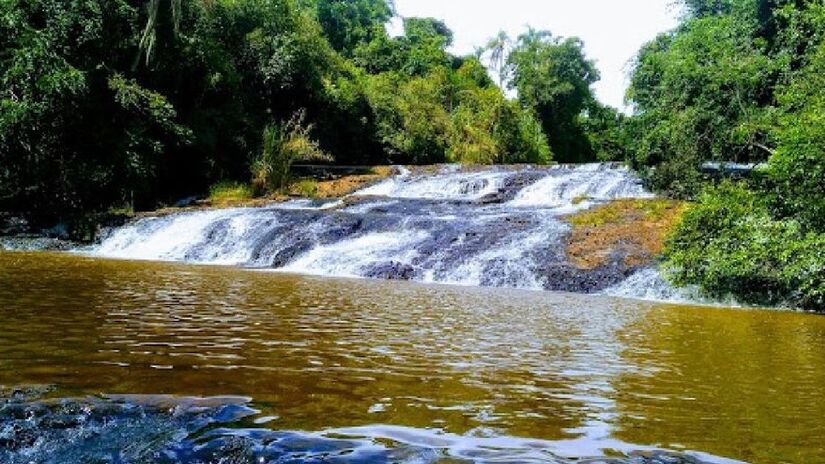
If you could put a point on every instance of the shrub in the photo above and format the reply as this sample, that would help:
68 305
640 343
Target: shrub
305 188
283 145
729 244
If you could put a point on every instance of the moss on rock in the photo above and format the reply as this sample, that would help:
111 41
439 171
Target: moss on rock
632 232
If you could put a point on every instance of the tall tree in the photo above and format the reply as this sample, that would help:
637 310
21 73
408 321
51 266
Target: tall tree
498 49
553 78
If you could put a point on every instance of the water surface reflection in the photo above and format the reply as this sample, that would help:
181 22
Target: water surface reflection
587 373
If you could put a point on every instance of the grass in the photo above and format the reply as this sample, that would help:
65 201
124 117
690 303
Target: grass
224 193
580 199
635 231
304 188
124 210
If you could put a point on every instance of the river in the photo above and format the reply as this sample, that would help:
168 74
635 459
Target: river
484 374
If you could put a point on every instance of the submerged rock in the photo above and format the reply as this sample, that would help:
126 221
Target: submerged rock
127 429
393 271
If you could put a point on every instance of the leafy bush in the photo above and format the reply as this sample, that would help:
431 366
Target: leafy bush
487 129
797 169
729 244
305 188
283 145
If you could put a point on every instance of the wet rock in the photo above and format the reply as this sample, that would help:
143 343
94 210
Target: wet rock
428 222
126 429
393 271
288 254
35 243
511 186
565 277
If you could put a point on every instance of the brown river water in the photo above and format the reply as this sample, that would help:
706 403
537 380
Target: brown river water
593 376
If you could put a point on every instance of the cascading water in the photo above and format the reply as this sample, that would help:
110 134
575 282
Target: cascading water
487 227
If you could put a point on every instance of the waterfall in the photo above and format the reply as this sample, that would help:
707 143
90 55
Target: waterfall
497 226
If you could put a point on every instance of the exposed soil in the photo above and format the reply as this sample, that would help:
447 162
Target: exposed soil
631 232
337 187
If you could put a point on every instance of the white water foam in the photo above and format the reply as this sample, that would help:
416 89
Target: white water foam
440 186
583 184
424 227
170 238
349 258
649 284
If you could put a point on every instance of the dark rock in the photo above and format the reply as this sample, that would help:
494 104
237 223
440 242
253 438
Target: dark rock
393 271
35 243
288 254
565 277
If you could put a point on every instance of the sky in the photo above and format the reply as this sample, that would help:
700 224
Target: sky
612 30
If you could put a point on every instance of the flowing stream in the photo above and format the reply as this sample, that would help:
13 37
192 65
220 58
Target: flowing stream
498 227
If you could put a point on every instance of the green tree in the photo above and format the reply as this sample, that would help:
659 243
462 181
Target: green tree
498 49
349 23
797 169
701 93
553 79
740 80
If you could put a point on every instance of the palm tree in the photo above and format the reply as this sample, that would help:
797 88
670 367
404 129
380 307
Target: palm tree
499 48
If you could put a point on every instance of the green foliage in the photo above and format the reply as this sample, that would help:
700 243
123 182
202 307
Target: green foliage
740 80
730 245
553 79
487 129
107 103
117 102
307 188
457 116
797 169
700 94
608 132
421 50
229 191
349 23
283 144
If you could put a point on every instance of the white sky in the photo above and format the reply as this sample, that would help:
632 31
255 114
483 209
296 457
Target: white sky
612 30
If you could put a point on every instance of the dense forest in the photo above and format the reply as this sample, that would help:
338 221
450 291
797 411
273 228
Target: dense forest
740 81
113 103
138 102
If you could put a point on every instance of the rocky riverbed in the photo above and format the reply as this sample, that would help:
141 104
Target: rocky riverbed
165 429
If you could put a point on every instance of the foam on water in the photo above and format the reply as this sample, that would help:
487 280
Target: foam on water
449 185
650 285
351 258
172 238
587 182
